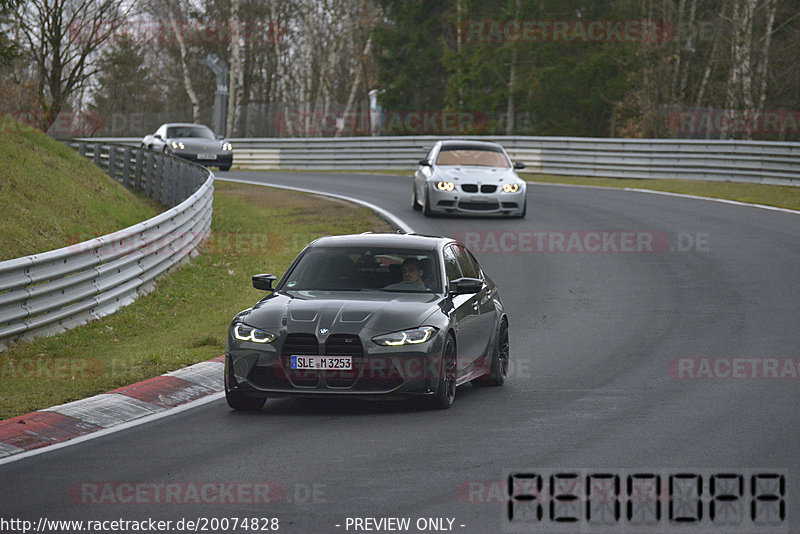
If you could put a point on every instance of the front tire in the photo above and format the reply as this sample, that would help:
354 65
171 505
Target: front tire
414 201
499 369
239 401
224 168
446 390
427 209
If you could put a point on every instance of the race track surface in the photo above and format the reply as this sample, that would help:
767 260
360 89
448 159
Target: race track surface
649 334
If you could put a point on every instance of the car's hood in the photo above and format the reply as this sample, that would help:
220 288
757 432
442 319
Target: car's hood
474 174
345 312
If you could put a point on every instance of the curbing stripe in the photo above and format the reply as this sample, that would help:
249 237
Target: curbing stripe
106 409
208 374
165 391
172 392
40 429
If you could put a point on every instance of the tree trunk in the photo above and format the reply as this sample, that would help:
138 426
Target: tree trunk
187 81
235 72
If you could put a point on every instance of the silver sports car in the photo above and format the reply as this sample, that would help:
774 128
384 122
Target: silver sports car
193 142
470 178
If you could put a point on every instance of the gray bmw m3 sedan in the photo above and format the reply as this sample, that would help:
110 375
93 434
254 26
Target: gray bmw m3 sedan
370 316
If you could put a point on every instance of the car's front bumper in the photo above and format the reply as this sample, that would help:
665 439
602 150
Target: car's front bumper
483 204
222 159
386 372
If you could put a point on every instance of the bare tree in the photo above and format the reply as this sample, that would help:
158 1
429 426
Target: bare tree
61 37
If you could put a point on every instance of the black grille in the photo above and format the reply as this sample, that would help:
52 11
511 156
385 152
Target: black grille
507 205
469 188
478 206
344 345
304 344
488 188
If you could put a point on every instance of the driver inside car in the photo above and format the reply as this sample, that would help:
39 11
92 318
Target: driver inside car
412 271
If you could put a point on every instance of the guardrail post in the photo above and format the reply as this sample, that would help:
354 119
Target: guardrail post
82 148
149 165
112 163
137 172
126 168
158 178
96 155
165 181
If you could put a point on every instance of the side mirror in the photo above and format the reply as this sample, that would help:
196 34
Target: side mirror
425 163
220 137
465 286
158 136
263 281
519 165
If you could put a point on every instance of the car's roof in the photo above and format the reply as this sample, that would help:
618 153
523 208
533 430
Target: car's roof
171 124
473 142
381 240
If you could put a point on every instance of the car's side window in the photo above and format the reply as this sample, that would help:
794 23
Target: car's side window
468 267
451 267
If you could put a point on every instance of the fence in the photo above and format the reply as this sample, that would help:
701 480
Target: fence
50 292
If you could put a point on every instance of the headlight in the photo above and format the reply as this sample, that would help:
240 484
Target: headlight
178 145
445 186
415 336
227 147
510 188
242 332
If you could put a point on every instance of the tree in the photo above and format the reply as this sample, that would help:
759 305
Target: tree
60 38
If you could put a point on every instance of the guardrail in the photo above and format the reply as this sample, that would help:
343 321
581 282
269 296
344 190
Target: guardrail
738 161
768 162
56 290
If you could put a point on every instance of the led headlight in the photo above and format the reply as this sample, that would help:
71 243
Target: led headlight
414 336
227 147
445 186
510 188
242 332
178 145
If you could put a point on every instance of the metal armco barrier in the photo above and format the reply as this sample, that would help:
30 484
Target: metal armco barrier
767 162
56 290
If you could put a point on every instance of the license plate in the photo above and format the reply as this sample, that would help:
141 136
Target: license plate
322 363
206 156
480 198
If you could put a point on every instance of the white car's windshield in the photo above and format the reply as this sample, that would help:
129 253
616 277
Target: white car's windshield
365 268
469 155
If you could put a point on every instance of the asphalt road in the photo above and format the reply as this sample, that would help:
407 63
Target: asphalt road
647 332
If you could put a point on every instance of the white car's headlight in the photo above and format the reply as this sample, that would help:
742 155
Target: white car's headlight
414 336
510 188
445 186
242 332
178 145
227 147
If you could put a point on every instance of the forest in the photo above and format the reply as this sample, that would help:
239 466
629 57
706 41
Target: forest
707 69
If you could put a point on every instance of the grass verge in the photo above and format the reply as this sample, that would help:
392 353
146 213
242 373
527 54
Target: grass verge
51 197
769 195
184 321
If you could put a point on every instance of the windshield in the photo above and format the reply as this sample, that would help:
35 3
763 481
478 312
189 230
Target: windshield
364 268
470 155
200 132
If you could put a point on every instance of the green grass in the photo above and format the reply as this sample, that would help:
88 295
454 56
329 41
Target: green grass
184 321
51 197
769 195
